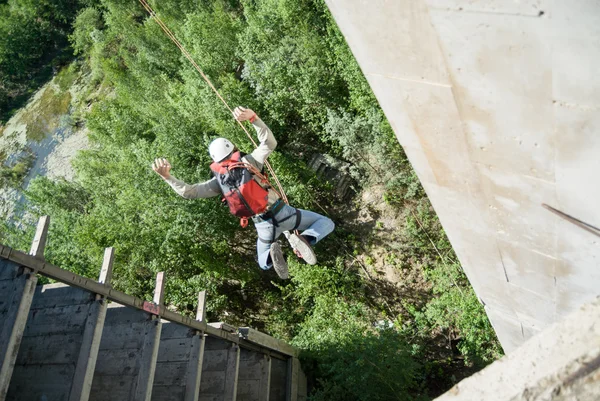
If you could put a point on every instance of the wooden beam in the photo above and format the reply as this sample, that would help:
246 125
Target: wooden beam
92 334
39 240
223 326
267 341
201 310
14 325
107 267
231 373
145 379
194 370
159 289
292 379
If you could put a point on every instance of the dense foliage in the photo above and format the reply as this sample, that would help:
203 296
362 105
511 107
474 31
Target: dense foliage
287 60
33 41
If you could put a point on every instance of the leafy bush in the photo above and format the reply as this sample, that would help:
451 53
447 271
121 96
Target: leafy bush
352 360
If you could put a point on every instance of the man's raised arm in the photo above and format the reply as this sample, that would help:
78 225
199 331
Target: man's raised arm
267 144
205 189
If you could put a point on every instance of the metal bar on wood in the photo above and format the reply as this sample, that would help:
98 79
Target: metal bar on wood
92 334
231 373
145 379
75 280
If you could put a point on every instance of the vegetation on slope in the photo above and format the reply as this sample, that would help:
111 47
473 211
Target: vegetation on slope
362 338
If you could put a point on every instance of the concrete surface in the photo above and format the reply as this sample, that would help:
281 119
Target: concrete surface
497 106
561 363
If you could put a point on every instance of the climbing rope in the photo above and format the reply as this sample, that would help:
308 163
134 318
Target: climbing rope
187 55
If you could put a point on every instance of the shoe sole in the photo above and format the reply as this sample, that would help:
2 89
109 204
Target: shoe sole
304 248
279 262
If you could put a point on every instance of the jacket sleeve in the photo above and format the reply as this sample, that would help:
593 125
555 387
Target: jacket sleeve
204 189
267 142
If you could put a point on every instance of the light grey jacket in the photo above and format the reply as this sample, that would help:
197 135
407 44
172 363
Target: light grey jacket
257 158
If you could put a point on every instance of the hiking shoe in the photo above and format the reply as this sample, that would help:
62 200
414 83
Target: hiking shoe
302 247
279 262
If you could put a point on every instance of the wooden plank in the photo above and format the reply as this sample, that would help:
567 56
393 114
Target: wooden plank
172 374
40 382
223 326
251 375
293 367
59 320
145 379
265 381
107 266
174 349
58 294
113 388
201 309
277 386
231 373
14 325
8 270
92 335
51 349
194 369
159 289
267 341
39 240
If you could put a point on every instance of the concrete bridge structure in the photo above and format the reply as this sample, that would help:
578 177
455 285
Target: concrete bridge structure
497 105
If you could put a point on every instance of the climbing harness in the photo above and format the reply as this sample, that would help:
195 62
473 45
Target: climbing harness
271 215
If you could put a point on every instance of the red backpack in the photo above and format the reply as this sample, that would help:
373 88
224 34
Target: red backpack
244 196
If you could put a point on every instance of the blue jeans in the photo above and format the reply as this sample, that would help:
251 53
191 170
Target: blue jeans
311 224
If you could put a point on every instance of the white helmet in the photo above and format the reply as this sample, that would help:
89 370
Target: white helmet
220 148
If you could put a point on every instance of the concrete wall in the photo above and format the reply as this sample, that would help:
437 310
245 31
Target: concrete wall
50 347
59 342
278 388
49 350
497 105
253 378
172 365
561 363
120 354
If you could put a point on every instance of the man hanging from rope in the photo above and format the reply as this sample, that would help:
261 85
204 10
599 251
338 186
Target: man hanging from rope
237 177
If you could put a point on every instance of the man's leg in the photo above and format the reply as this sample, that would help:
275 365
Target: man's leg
269 253
263 251
314 227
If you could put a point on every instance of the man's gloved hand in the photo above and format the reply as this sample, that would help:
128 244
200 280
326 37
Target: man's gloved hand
242 114
162 167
